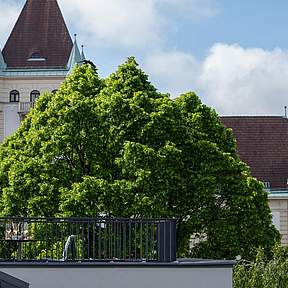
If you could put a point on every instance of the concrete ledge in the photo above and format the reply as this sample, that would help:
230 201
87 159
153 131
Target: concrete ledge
180 263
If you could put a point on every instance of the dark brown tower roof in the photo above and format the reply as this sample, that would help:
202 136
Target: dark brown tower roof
39 33
262 142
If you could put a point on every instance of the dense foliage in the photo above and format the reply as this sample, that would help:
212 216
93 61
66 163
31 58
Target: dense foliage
118 147
263 273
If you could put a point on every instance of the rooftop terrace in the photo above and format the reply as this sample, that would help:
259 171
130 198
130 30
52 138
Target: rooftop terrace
87 240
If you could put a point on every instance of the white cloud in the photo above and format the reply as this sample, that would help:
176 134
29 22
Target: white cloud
233 80
9 11
114 23
245 81
173 71
130 23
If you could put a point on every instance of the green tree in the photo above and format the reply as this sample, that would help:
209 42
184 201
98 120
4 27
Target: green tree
118 147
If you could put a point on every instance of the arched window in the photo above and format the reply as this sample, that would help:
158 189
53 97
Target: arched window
34 95
14 96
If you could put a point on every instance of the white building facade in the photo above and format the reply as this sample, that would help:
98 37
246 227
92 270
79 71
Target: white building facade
36 58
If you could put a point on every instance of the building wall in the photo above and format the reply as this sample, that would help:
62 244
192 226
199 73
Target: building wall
279 208
26 85
9 116
124 277
11 119
1 123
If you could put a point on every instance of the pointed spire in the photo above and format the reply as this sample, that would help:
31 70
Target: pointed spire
82 53
3 65
75 56
40 37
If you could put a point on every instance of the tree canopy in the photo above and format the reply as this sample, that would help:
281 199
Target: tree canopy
118 147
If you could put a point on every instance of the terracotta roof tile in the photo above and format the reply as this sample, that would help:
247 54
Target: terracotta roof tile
39 29
262 142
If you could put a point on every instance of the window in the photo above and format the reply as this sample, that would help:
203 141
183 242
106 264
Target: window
34 95
14 96
267 185
36 56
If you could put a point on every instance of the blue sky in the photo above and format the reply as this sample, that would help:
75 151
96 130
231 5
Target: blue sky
253 23
234 54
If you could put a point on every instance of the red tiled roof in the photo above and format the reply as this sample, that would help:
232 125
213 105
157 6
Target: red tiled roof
262 142
40 29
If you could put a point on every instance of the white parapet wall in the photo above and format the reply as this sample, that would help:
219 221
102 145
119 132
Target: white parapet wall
185 273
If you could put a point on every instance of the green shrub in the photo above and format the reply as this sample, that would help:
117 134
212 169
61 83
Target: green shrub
263 273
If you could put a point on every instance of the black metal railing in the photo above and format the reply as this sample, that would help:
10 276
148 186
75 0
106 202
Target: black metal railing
24 107
87 239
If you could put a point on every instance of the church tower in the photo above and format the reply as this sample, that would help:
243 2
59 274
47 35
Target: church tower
37 57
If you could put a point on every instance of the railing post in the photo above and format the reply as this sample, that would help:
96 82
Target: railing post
166 241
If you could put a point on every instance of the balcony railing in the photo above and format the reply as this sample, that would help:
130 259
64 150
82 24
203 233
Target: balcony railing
87 239
24 107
